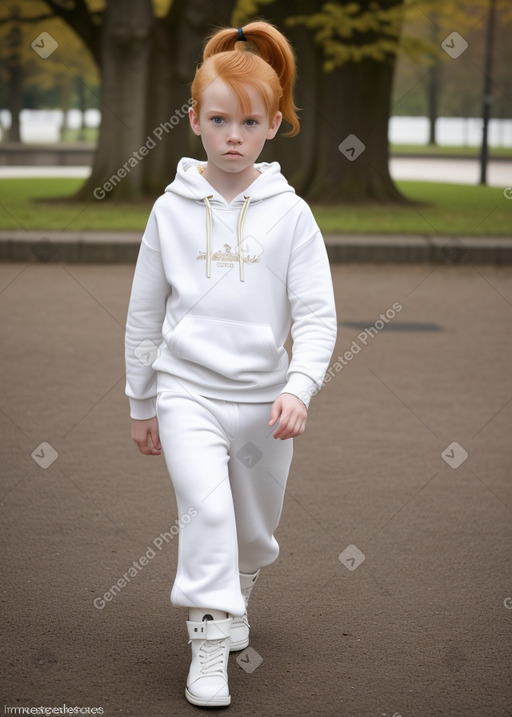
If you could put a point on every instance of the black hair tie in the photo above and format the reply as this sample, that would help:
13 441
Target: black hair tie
241 37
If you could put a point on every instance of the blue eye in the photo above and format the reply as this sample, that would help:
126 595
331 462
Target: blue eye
251 122
217 120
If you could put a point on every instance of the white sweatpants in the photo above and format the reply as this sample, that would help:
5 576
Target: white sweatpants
225 464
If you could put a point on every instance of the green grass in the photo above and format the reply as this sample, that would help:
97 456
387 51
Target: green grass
88 134
446 209
432 208
438 150
22 207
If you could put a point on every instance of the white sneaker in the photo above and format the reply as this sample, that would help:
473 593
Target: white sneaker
240 626
207 681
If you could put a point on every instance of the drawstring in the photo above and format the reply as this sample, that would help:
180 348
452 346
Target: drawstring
208 236
240 237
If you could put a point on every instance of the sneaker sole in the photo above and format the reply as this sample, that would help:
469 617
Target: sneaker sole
203 702
237 646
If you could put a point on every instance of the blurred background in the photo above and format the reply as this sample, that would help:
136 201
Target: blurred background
397 98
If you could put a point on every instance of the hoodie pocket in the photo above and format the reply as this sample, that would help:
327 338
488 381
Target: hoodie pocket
230 348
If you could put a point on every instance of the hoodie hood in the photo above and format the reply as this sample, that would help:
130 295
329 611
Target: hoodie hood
190 183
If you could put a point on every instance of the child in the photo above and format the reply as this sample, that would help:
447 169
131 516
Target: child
230 259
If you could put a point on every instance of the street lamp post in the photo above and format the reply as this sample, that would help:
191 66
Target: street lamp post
487 96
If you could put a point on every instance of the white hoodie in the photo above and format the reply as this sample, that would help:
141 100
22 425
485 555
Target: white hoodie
217 286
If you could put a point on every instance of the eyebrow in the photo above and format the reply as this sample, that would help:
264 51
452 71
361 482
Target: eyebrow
223 112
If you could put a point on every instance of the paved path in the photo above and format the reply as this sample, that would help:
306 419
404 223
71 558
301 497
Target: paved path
457 171
392 594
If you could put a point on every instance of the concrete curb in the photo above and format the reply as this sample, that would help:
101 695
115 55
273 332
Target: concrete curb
122 248
419 249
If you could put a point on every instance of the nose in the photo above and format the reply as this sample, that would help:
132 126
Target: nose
234 136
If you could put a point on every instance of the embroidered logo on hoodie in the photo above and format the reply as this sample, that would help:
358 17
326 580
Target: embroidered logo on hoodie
228 257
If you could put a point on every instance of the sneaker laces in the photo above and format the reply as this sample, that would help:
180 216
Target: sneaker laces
212 657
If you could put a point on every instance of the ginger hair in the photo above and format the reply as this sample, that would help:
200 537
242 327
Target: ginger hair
265 61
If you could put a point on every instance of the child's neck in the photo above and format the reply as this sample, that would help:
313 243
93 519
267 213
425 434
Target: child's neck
229 184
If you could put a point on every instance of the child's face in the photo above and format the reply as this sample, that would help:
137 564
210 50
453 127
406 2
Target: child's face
232 140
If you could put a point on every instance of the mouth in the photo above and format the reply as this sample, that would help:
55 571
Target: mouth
233 153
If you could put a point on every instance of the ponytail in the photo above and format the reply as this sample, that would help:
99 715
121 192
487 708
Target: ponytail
239 57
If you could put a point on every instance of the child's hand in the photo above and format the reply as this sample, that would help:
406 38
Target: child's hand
146 436
292 415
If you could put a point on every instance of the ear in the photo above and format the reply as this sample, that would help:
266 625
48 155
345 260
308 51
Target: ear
274 125
194 121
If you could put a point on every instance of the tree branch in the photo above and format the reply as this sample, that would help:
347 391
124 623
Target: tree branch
25 20
86 25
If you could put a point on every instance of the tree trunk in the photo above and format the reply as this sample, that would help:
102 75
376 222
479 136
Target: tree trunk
167 101
82 106
433 103
177 47
163 96
298 155
352 100
353 156
15 104
433 84
65 104
117 168
15 73
147 65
